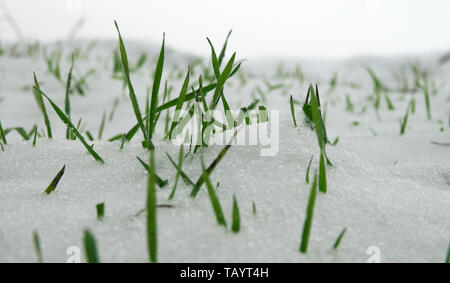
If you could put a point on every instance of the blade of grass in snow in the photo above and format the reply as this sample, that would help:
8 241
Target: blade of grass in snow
34 136
211 167
134 102
155 89
224 48
41 104
100 207
293 111
309 217
308 169
152 240
180 171
55 181
180 102
213 197
37 247
322 174
339 239
404 121
214 61
2 134
67 121
427 97
253 207
236 224
180 165
161 183
90 247
102 126
89 136
222 79
67 98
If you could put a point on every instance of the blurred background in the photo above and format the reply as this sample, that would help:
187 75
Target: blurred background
282 28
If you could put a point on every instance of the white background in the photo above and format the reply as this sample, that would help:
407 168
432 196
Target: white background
319 28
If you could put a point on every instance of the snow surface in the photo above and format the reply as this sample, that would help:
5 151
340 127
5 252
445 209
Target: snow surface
390 191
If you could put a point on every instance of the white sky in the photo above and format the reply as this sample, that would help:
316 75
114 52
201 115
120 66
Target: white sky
319 28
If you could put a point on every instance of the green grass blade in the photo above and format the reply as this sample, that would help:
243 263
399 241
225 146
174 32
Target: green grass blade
293 111
224 48
223 78
90 247
180 171
161 183
339 239
67 121
236 224
211 167
152 240
308 170
134 102
322 174
404 121
253 207
102 126
67 97
100 208
41 104
309 217
155 89
189 96
214 60
37 247
2 134
181 100
34 136
180 165
55 181
213 198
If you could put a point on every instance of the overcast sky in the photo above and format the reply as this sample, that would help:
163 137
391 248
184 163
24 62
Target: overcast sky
319 28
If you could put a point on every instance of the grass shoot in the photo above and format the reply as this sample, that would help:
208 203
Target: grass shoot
309 217
55 181
90 247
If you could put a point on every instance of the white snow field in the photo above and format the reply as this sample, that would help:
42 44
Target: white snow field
390 191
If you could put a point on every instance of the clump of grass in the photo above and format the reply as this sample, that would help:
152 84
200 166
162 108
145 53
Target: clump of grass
73 129
100 207
90 247
339 239
213 197
37 247
236 224
152 233
55 181
309 217
41 105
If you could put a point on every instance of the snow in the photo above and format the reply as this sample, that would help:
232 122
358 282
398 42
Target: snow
390 191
